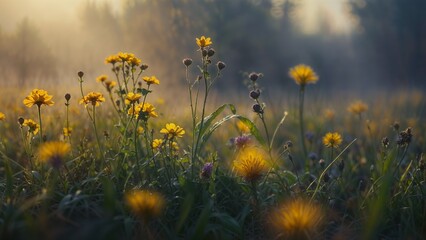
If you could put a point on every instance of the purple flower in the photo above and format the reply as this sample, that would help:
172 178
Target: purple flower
206 172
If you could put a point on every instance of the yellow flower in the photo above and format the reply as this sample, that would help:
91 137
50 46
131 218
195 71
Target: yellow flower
298 219
151 80
67 131
113 59
303 74
2 116
172 130
109 85
145 204
125 56
332 140
157 143
53 153
94 98
132 98
102 78
134 61
243 127
329 114
140 130
203 41
147 110
38 97
33 127
358 107
250 164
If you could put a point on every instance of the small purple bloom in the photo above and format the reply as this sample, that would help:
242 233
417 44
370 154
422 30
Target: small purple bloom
206 172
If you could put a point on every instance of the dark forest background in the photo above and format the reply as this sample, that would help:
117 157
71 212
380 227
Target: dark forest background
387 50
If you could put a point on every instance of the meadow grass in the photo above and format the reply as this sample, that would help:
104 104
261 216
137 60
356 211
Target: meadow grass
107 160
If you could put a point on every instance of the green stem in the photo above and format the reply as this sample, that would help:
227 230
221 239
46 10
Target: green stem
302 129
41 126
97 137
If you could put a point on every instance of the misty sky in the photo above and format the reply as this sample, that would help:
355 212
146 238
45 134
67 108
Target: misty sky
46 12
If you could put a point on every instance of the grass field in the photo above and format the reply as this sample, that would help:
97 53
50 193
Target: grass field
110 159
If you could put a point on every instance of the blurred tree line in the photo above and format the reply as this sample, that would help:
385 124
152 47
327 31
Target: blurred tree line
25 56
389 47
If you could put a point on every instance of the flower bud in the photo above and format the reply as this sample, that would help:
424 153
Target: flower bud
211 52
187 61
21 120
80 74
254 94
144 67
253 76
221 65
321 163
204 52
257 108
67 97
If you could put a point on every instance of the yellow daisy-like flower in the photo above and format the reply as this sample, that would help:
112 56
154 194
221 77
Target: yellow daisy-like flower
157 143
147 110
113 59
132 98
140 130
125 56
145 204
2 116
102 78
151 80
134 61
303 74
250 164
33 127
94 98
172 130
332 140
298 219
67 131
38 97
54 153
203 41
358 107
109 85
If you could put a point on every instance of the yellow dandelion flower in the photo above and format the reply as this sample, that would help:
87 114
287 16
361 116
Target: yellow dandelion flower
303 74
101 78
33 127
145 204
67 131
203 41
113 59
2 116
357 107
53 153
157 143
94 98
147 110
298 219
172 130
132 98
38 97
151 80
250 164
332 140
109 85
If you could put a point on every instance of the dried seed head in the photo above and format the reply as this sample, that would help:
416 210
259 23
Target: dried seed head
21 120
396 126
144 67
204 52
385 142
80 74
67 96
